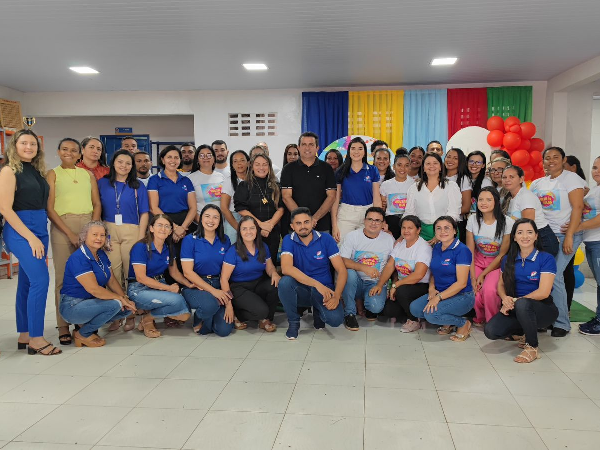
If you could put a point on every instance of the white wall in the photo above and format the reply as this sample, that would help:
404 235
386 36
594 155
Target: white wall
595 140
210 109
160 128
10 94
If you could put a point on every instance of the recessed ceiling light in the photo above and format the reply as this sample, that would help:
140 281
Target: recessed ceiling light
255 66
83 70
443 61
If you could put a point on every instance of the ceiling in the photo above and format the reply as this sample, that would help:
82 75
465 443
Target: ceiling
201 44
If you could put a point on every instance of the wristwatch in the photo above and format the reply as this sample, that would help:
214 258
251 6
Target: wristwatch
394 285
440 296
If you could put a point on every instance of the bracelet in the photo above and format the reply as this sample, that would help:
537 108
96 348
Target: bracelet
440 296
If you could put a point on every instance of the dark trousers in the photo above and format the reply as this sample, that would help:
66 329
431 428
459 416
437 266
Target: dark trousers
404 296
462 231
393 222
569 277
254 300
548 240
272 241
527 316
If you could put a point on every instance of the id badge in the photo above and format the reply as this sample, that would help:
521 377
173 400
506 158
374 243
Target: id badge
118 219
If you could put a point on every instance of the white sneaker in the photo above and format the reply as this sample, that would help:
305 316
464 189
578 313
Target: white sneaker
410 326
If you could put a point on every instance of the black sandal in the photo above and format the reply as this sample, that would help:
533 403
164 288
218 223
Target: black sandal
65 339
38 351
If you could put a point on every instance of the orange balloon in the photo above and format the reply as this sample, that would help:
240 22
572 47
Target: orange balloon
521 158
537 145
536 158
527 130
495 138
529 173
509 122
516 129
495 123
525 143
511 141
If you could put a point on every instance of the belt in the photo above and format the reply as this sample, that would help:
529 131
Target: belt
157 278
210 277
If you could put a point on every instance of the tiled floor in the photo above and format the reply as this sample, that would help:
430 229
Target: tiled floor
372 389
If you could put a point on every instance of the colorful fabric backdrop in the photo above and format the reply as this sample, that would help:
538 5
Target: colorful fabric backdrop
412 117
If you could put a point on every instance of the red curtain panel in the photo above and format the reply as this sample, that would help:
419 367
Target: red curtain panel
466 108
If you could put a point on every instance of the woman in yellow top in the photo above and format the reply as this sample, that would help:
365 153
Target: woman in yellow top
73 202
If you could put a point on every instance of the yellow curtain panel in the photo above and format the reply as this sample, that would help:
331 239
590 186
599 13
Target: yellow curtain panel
379 114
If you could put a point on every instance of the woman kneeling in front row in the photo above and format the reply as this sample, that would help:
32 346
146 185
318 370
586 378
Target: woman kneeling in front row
525 286
255 294
450 292
149 260
85 299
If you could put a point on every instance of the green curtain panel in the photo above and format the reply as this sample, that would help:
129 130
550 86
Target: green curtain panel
510 101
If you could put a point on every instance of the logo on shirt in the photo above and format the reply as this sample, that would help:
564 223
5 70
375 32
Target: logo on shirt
446 262
184 187
210 192
486 246
404 268
222 251
589 212
319 255
534 276
397 203
370 259
367 178
550 200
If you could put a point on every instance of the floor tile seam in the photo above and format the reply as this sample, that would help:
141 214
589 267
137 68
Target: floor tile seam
37 421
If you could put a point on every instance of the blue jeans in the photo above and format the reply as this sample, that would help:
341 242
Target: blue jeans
228 229
356 287
33 282
592 252
90 313
209 311
158 303
559 293
450 311
293 294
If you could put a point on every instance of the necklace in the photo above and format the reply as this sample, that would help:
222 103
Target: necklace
264 195
69 175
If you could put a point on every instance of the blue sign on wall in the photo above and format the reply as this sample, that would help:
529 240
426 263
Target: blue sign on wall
124 130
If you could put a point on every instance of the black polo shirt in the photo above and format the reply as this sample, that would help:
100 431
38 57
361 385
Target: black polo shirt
309 186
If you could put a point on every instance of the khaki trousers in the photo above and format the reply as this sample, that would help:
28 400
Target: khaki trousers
61 250
350 218
122 238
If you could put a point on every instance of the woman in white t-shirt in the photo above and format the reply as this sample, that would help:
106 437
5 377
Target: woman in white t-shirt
393 193
591 236
238 161
456 170
561 195
207 182
519 202
488 238
408 265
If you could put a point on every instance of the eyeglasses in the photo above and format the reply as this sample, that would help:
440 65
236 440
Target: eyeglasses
496 170
164 227
368 219
475 163
205 156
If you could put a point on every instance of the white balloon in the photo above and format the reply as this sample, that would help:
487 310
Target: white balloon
470 139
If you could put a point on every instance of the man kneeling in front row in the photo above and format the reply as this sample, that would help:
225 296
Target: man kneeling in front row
307 280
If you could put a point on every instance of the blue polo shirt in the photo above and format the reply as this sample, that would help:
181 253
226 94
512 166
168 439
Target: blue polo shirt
444 262
155 264
249 270
80 263
357 187
172 196
312 259
207 257
131 205
528 272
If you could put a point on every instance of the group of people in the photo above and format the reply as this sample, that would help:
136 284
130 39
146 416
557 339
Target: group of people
417 236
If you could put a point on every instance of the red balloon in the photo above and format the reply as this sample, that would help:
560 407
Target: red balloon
541 165
495 138
520 158
536 158
537 145
511 141
495 123
509 122
516 129
527 130
529 173
525 144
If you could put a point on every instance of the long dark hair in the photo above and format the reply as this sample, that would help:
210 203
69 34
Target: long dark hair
507 197
285 152
344 169
339 156
163 153
476 183
497 212
234 178
241 248
149 236
85 141
196 165
508 273
573 161
220 231
462 170
442 173
132 180
389 173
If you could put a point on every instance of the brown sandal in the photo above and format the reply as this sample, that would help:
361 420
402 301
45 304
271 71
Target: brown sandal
267 325
446 329
459 337
129 323
148 327
115 325
239 325
529 354
92 341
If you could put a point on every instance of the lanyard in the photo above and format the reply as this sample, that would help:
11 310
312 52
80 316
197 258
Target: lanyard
118 198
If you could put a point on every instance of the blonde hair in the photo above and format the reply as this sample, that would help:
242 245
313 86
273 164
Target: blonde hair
13 160
271 178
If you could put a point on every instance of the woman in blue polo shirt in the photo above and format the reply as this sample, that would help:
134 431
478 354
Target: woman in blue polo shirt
357 190
150 258
525 286
202 255
173 194
250 273
450 294
90 294
124 210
